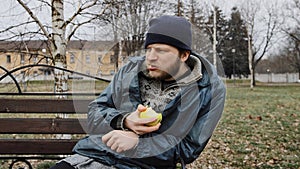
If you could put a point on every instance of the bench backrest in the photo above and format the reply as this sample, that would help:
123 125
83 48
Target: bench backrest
32 117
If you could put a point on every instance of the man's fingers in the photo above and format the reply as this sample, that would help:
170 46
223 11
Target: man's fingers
110 140
141 108
114 146
146 129
119 150
144 121
106 137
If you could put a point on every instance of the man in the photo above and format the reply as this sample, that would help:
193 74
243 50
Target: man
170 79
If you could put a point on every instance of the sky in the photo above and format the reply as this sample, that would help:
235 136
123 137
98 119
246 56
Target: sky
12 10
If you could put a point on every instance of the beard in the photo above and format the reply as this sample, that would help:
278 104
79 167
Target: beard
168 73
163 76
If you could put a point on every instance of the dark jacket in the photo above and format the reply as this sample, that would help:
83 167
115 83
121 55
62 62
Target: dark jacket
188 121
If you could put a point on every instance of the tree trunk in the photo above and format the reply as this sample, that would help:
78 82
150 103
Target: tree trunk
250 59
59 46
215 37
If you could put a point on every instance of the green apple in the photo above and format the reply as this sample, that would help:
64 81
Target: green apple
150 113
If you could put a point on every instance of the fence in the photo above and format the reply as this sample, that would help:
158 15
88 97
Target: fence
278 78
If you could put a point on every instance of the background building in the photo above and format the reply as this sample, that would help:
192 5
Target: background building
95 58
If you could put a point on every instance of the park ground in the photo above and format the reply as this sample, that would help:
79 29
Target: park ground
259 129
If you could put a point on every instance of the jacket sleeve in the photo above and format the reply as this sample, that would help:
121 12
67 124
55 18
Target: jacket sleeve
103 113
208 117
192 145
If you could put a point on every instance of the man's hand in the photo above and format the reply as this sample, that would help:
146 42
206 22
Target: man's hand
137 124
119 140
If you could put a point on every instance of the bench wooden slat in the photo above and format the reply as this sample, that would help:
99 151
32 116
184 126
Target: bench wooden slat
14 121
42 126
37 146
43 106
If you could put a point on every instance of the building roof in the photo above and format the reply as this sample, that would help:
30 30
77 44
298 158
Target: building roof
35 45
22 45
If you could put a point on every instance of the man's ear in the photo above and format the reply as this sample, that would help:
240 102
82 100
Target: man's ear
185 55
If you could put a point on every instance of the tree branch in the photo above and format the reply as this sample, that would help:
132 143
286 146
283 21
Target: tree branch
36 20
15 26
269 35
85 22
78 12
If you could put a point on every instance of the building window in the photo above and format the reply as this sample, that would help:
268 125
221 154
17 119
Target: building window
112 72
113 59
99 59
48 60
72 58
47 72
22 58
34 58
99 73
35 73
88 59
8 59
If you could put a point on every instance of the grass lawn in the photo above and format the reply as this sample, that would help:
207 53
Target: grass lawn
74 86
259 129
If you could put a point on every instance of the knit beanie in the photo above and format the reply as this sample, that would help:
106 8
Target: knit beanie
172 30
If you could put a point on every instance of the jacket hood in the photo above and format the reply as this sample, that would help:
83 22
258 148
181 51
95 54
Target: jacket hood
195 74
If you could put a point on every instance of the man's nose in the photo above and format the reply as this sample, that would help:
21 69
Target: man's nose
152 55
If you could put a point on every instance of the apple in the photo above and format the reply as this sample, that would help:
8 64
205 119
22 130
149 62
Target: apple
150 113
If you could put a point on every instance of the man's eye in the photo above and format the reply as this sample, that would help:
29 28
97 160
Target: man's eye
160 50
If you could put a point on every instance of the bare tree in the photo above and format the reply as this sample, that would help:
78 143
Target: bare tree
59 31
291 29
198 15
128 20
259 40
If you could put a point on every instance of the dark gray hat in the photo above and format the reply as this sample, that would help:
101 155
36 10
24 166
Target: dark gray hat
172 30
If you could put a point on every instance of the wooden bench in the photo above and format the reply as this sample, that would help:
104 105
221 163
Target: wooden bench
29 127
